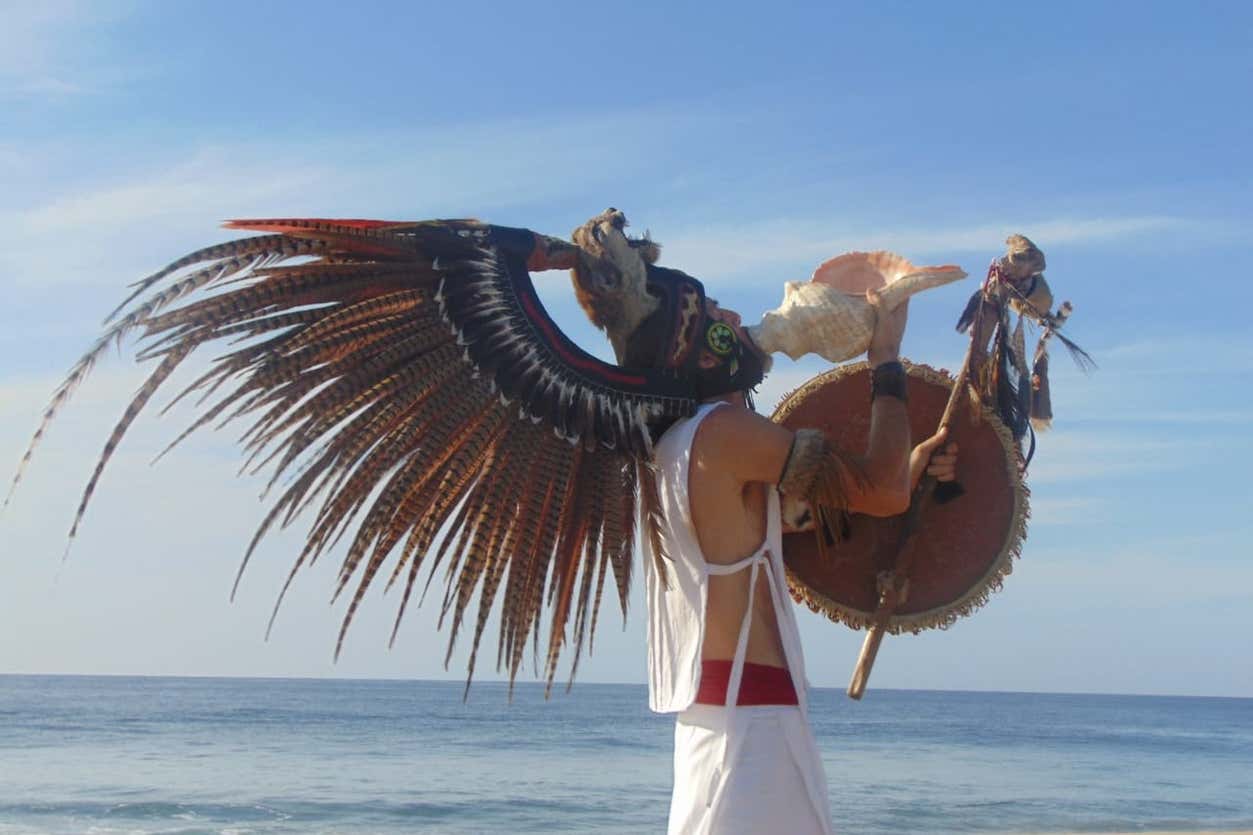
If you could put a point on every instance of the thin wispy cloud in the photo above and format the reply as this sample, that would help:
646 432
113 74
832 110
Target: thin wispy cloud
1083 457
208 182
486 167
1066 511
49 86
1197 417
1145 570
1178 353
90 236
46 47
11 158
746 249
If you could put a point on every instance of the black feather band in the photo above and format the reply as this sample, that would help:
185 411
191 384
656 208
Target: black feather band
490 302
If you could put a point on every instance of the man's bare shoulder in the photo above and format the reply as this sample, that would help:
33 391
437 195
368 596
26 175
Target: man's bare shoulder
737 441
732 421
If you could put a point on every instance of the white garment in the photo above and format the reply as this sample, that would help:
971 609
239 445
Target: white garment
747 771
676 615
737 769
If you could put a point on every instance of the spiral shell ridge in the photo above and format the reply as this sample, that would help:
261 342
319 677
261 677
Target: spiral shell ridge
831 316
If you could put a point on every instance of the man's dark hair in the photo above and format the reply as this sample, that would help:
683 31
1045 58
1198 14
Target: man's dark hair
647 345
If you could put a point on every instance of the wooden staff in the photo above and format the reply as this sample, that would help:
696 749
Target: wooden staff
894 583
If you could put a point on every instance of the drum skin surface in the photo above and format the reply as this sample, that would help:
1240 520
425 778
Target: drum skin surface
964 547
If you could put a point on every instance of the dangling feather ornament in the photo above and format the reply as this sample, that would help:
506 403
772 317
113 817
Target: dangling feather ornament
1001 377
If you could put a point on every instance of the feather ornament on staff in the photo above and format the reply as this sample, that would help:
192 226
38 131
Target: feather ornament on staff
996 377
1000 376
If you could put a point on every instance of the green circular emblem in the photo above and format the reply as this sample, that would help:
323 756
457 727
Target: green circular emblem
721 339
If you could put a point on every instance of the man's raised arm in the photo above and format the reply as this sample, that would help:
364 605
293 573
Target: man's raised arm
753 448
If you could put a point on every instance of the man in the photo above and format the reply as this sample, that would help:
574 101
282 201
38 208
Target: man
406 375
745 759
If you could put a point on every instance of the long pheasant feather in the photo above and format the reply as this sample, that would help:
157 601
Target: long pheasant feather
368 365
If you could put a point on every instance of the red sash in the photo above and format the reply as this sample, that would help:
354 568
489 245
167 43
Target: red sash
760 684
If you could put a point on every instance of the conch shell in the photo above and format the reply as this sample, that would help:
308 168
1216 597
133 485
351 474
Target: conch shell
830 315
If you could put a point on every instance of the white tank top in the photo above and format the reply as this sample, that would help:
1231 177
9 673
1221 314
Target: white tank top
676 615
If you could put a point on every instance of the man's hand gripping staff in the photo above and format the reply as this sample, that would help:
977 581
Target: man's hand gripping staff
1015 282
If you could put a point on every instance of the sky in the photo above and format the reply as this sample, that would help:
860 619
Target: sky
754 142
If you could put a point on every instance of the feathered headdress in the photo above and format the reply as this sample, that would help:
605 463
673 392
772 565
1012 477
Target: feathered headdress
424 408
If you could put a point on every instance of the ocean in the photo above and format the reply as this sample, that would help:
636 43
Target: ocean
203 755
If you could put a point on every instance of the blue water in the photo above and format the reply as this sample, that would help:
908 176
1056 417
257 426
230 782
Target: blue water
167 755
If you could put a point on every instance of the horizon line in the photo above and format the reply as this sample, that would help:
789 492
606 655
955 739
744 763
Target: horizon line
557 685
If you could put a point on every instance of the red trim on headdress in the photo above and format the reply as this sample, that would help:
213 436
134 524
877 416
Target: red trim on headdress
296 225
583 363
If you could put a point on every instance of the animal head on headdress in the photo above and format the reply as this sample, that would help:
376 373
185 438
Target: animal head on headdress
611 276
625 293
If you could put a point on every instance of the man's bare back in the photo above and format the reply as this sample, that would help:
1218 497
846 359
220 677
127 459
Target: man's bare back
730 521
